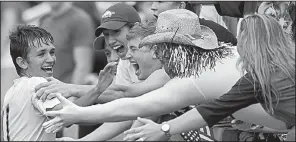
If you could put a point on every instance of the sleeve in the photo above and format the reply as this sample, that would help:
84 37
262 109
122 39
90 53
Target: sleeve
82 30
38 104
240 96
122 74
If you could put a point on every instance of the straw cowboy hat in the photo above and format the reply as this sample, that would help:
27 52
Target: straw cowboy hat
182 26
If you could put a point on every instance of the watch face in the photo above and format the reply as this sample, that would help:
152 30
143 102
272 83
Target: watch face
165 127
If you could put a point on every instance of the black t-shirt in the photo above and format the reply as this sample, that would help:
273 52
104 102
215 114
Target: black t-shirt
242 95
222 33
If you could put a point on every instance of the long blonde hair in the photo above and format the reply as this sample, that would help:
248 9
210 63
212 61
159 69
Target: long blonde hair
264 48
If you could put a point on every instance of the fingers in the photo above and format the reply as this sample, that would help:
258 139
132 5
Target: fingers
54 128
52 113
51 96
47 91
39 88
133 137
144 120
133 130
51 122
109 66
62 99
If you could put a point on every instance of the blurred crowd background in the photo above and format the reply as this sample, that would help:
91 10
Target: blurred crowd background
13 13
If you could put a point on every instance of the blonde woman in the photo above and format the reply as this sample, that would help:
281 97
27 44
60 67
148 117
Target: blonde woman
268 57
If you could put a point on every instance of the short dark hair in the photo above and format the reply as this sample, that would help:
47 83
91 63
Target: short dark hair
142 29
22 38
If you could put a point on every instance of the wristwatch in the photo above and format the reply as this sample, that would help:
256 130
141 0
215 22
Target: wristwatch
166 129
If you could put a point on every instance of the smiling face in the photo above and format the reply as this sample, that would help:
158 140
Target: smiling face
40 60
116 39
161 6
143 59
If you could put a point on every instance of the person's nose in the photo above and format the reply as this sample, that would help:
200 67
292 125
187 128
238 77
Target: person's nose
154 6
111 41
50 58
128 54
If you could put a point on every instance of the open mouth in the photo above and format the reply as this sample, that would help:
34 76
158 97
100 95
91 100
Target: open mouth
48 69
136 67
119 48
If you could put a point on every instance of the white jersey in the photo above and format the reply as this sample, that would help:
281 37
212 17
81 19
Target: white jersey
25 117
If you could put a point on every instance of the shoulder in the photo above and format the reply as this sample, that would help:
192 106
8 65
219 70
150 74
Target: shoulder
33 81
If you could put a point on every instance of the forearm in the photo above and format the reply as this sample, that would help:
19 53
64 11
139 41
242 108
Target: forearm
191 120
107 131
81 90
89 98
108 96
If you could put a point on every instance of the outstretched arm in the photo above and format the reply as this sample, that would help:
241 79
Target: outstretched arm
156 80
164 100
176 94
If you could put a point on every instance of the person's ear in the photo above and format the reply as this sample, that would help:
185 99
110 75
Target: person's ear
22 63
154 55
182 5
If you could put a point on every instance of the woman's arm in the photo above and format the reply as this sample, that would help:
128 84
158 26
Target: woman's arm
156 80
176 94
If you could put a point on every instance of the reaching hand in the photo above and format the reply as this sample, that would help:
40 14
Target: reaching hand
106 76
150 131
47 90
70 114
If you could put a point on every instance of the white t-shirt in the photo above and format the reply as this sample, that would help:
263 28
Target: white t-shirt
210 83
25 117
126 73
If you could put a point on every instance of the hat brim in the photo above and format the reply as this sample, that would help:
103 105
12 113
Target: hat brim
99 43
169 37
111 25
172 37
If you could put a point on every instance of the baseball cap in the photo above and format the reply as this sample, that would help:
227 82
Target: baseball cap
116 16
99 43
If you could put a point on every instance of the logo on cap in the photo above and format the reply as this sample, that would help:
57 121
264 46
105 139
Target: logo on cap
108 14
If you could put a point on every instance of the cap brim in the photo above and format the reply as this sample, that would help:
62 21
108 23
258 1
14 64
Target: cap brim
111 25
99 43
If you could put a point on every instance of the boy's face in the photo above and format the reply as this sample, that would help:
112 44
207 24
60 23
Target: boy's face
110 54
116 39
142 59
41 60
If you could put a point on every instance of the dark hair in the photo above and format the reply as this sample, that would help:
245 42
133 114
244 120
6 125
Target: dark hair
130 25
142 29
291 10
22 38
